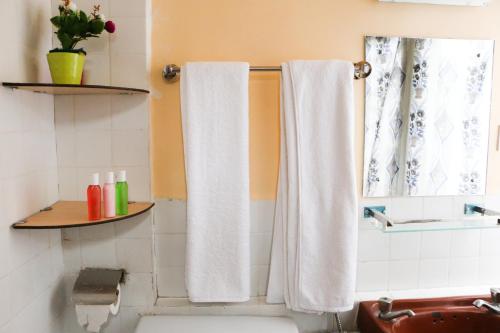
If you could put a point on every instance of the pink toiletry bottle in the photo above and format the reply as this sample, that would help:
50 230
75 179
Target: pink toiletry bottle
94 199
109 195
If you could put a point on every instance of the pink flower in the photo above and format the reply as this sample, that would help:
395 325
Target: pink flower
110 27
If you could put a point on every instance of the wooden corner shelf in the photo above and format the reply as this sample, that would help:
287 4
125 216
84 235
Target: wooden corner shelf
71 214
74 89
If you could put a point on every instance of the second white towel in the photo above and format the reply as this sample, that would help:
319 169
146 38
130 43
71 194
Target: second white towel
214 103
313 260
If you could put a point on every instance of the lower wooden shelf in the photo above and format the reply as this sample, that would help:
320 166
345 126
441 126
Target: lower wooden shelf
71 214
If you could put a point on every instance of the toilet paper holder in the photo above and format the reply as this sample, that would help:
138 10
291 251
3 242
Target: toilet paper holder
97 286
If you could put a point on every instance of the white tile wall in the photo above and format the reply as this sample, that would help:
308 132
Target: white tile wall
387 263
109 133
127 245
423 260
31 266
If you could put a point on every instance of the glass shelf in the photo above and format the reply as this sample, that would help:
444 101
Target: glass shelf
466 223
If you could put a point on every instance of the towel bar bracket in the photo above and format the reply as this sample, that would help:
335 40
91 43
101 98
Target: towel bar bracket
378 213
472 209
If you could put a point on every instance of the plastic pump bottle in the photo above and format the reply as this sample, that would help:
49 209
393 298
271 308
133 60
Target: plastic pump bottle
121 193
94 199
109 195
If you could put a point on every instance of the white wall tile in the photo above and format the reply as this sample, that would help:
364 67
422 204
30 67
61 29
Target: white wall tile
41 272
260 248
262 216
64 112
132 9
96 70
102 231
92 113
5 308
263 279
93 148
10 121
492 202
170 217
131 37
373 245
57 263
135 255
129 70
20 248
254 281
137 227
22 288
465 243
435 244
438 207
88 5
373 276
489 271
171 250
4 251
12 167
99 253
72 256
403 275
68 184
405 246
130 148
66 148
40 240
490 239
464 271
433 273
129 113
407 208
138 290
171 282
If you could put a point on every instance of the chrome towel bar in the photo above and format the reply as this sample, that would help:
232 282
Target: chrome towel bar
362 70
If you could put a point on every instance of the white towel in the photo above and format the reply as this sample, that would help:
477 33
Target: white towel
313 264
214 102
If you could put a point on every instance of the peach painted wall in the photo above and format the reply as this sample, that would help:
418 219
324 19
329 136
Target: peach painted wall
265 32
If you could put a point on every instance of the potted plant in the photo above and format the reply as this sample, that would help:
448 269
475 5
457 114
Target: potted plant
74 25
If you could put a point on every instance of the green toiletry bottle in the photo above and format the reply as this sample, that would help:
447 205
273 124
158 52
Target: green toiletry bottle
121 193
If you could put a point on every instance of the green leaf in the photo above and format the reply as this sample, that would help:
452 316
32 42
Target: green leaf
96 27
66 40
83 17
56 21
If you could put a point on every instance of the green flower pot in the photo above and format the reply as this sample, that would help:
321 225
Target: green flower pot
66 67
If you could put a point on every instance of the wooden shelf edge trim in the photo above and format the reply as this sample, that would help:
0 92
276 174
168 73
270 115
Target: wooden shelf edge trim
15 85
27 225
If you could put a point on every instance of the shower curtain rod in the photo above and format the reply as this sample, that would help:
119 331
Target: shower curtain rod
362 70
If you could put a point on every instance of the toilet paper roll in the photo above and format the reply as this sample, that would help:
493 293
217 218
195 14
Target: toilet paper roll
114 308
92 317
